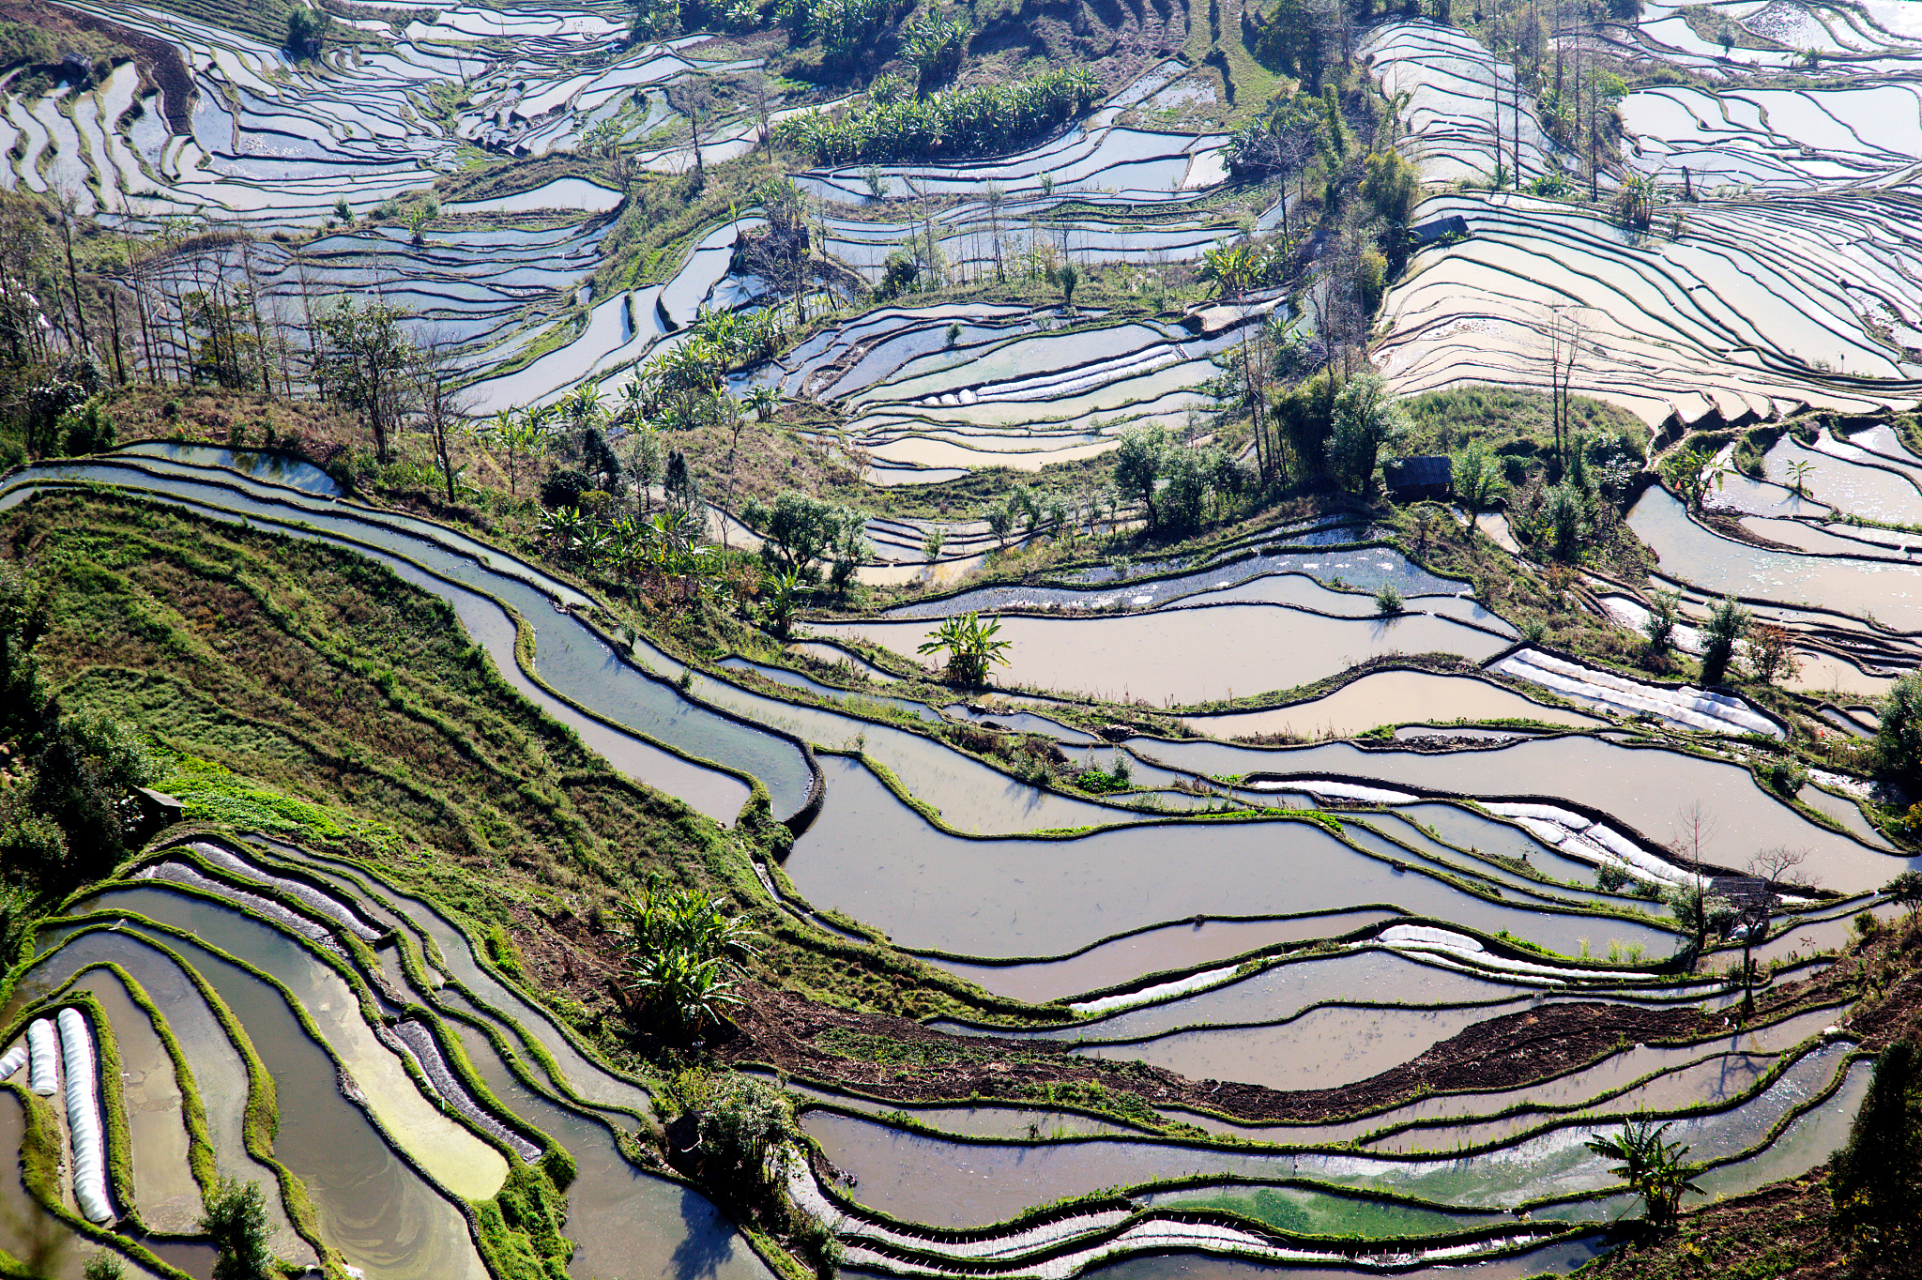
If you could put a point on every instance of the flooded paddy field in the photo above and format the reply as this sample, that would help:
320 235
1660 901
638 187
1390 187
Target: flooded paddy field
1261 827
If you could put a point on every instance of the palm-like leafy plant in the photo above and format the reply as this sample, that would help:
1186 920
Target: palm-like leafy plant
683 952
1653 1168
782 592
971 647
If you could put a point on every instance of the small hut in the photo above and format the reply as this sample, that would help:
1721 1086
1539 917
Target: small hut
1414 479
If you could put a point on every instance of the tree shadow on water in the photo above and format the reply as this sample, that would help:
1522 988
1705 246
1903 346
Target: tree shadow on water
707 1243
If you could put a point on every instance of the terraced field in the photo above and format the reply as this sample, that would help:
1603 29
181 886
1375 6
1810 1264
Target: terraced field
1461 882
1304 893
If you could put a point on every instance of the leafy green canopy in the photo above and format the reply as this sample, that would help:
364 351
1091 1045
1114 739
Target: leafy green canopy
977 120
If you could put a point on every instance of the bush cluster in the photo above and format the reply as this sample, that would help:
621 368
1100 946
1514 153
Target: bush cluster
972 121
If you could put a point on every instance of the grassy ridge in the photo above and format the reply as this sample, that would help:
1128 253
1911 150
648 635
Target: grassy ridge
307 691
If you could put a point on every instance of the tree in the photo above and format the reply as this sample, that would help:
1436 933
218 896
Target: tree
362 361
1700 910
236 1219
798 530
1771 652
1727 623
86 767
1778 867
307 30
1876 1180
24 599
1664 611
681 492
1652 1168
1477 477
1391 184
694 99
1138 464
1899 735
971 646
1565 509
644 459
1366 419
443 406
1905 890
1192 476
1067 275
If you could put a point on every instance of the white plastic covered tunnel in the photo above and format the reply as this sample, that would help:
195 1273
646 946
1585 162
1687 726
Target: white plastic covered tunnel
83 1118
43 1058
15 1059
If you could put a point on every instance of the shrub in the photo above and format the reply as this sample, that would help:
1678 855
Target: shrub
1565 512
103 1266
1610 878
236 1219
1388 601
1905 890
1364 422
738 1122
1876 1180
1899 736
682 951
972 647
974 121
564 487
1664 610
86 429
1727 623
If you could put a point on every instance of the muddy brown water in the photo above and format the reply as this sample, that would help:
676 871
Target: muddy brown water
1190 655
1170 947
1319 1050
1691 553
1717 1080
1388 697
1643 787
164 1188
873 858
1284 990
1608 1075
218 1070
372 1207
625 1222
1559 1258
451 1153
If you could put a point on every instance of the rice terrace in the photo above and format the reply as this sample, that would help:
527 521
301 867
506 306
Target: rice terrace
960 639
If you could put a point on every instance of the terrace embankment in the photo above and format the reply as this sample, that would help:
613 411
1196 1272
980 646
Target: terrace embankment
900 1060
159 61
